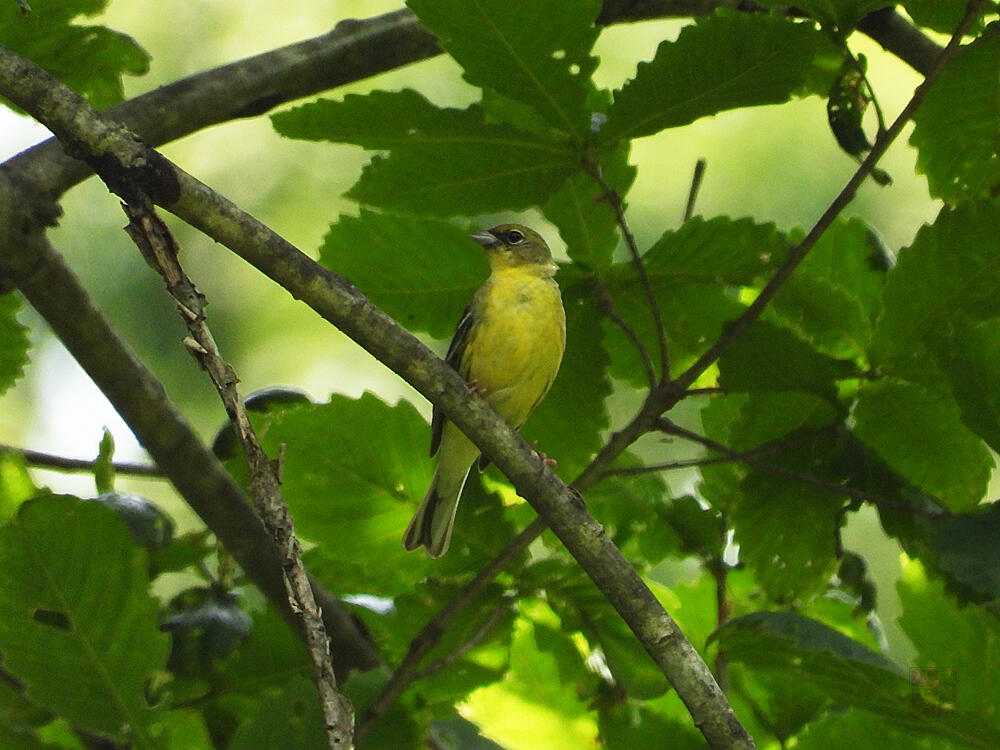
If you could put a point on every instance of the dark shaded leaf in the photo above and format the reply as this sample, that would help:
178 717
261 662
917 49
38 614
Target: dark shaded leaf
535 52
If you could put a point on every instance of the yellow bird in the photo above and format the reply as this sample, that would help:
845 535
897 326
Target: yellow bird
508 346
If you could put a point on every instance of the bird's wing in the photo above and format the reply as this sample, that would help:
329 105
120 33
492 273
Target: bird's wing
456 353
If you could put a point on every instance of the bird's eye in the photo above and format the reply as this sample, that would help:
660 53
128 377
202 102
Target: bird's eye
514 237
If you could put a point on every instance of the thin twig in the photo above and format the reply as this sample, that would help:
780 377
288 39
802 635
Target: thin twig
727 458
614 200
696 178
482 632
606 304
720 572
159 248
851 493
708 391
431 633
64 463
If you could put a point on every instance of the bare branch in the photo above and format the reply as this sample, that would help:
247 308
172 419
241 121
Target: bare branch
612 197
606 304
750 458
64 463
696 178
158 246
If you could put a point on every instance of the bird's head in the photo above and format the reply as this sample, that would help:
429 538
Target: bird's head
515 246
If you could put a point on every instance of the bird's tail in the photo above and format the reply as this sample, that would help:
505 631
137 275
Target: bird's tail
435 517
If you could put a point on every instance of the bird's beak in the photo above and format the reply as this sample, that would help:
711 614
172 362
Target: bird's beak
486 239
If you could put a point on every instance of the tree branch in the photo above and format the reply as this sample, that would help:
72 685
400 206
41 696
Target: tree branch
160 250
64 463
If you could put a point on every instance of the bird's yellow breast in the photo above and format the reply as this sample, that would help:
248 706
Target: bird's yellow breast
516 347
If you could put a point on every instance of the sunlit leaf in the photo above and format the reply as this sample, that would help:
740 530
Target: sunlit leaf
13 341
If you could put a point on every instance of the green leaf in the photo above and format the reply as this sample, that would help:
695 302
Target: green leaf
856 728
720 250
548 715
782 705
394 631
353 473
747 421
535 52
943 15
77 625
768 357
624 504
843 14
787 533
185 729
378 120
289 720
565 426
266 659
397 728
581 606
952 267
919 433
636 724
13 342
969 357
834 295
488 170
104 467
422 272
955 128
90 59
788 643
967 552
690 270
722 62
587 224
489 167
15 484
957 682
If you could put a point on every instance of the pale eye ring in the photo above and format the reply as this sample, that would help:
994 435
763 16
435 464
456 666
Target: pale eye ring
514 237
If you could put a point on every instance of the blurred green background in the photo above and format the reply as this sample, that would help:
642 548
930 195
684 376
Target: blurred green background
777 164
